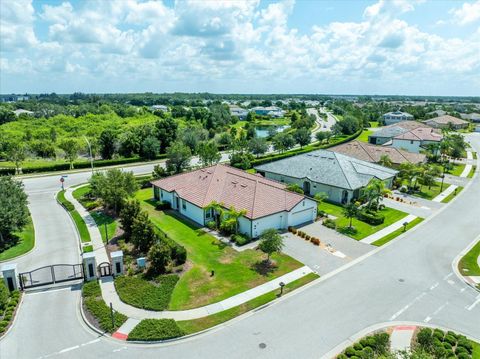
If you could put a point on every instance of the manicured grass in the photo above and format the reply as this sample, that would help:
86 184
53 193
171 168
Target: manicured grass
373 124
26 241
396 233
430 193
251 170
468 265
141 293
476 350
364 135
87 249
101 219
154 330
235 271
452 195
457 169
273 122
472 172
77 219
196 325
363 229
80 192
34 163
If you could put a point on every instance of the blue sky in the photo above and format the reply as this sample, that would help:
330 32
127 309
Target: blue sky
357 47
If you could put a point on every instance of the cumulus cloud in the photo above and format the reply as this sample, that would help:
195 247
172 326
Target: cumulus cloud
467 13
16 25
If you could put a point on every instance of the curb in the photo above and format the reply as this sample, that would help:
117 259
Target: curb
457 260
71 220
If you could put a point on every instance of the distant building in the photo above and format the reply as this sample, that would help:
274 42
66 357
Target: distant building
437 113
272 111
21 111
241 113
386 133
159 108
474 117
447 121
391 118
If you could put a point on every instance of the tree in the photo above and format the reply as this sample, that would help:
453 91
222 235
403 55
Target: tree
159 257
283 142
250 116
321 136
234 215
293 187
350 210
113 187
130 211
179 157
374 192
16 153
219 211
166 132
6 115
385 161
143 232
13 209
270 242
107 142
302 136
150 148
70 147
208 153
159 172
258 146
241 160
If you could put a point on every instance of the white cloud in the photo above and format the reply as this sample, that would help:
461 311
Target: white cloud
467 14
16 25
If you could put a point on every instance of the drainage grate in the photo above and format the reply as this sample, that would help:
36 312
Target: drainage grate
262 345
401 280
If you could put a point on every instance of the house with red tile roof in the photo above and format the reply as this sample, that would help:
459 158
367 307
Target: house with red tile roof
415 140
267 203
447 121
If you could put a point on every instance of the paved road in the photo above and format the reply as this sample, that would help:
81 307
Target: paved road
410 279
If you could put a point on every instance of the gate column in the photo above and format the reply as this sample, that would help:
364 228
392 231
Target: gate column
89 266
117 262
10 276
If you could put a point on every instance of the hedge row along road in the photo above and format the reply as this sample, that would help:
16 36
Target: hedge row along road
410 279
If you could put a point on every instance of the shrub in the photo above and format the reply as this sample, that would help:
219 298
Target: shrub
465 343
307 237
357 346
447 345
425 338
321 213
289 228
438 333
240 240
155 329
178 253
315 241
382 343
294 231
4 323
211 225
7 317
101 312
4 294
342 356
162 206
463 356
459 350
450 339
329 223
350 351
228 226
371 218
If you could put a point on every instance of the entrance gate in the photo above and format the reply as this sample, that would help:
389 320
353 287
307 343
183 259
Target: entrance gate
105 269
51 274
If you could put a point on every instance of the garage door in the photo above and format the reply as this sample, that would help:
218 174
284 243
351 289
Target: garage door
301 217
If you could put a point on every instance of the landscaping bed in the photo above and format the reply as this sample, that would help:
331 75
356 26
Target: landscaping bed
8 307
147 294
155 330
457 169
233 272
396 233
98 313
25 243
77 219
472 172
468 265
432 192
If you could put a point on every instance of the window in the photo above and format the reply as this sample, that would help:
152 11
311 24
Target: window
161 194
184 204
411 142
208 213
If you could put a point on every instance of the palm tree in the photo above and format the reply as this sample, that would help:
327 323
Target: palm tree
350 210
374 193
218 209
385 161
235 215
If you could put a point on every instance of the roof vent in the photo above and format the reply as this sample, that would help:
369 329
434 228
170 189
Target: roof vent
234 182
243 185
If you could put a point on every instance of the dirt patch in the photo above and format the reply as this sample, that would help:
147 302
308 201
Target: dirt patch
264 267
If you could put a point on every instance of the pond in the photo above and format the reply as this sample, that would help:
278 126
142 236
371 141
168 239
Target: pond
265 131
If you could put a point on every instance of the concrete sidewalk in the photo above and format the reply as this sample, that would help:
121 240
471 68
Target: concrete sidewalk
445 193
401 338
387 230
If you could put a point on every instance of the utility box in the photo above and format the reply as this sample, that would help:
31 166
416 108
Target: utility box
10 276
141 262
117 262
89 266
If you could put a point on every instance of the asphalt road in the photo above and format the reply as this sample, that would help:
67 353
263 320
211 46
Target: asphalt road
409 280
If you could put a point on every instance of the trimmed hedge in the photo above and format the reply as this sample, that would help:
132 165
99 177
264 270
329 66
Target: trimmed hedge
145 294
240 240
155 329
371 218
439 344
99 310
372 346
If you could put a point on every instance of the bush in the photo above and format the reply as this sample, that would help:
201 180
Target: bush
155 329
463 356
425 338
450 339
342 356
162 206
4 294
228 226
294 230
329 223
240 240
350 351
371 218
321 214
357 346
307 237
178 254
437 333
144 294
101 312
211 225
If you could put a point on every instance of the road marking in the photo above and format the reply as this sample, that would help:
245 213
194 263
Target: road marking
427 319
393 317
440 308
463 290
66 350
119 349
447 276
451 282
49 291
434 286
474 303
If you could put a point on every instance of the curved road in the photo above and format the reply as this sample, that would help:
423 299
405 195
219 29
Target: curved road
409 280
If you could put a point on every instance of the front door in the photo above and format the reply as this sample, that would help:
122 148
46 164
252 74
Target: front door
105 269
306 188
344 196
177 203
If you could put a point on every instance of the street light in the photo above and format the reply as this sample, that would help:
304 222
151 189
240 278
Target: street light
405 226
90 150
281 284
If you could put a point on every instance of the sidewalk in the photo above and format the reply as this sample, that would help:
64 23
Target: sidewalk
401 338
387 230
445 193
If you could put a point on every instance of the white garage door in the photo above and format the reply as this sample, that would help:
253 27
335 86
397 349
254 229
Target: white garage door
301 217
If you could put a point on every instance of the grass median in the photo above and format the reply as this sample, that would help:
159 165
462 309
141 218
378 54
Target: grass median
77 219
468 265
452 195
396 233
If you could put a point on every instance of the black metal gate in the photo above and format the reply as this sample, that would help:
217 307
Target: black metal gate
105 269
51 274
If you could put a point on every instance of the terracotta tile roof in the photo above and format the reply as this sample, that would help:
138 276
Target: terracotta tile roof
232 187
446 119
420 134
371 153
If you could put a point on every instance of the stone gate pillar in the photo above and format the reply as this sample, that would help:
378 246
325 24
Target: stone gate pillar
10 276
89 266
117 262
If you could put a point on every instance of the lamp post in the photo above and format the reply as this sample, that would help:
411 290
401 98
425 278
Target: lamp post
90 151
281 284
405 226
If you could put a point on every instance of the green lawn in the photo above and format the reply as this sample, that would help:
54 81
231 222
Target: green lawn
476 350
396 233
77 219
235 271
34 163
364 135
363 229
468 265
373 124
457 169
472 172
430 193
101 219
196 325
452 195
26 241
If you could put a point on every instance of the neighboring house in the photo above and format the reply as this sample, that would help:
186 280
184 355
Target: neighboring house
385 134
477 128
391 118
267 203
437 113
241 113
272 111
341 177
474 117
447 121
21 111
415 140
371 153
159 108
